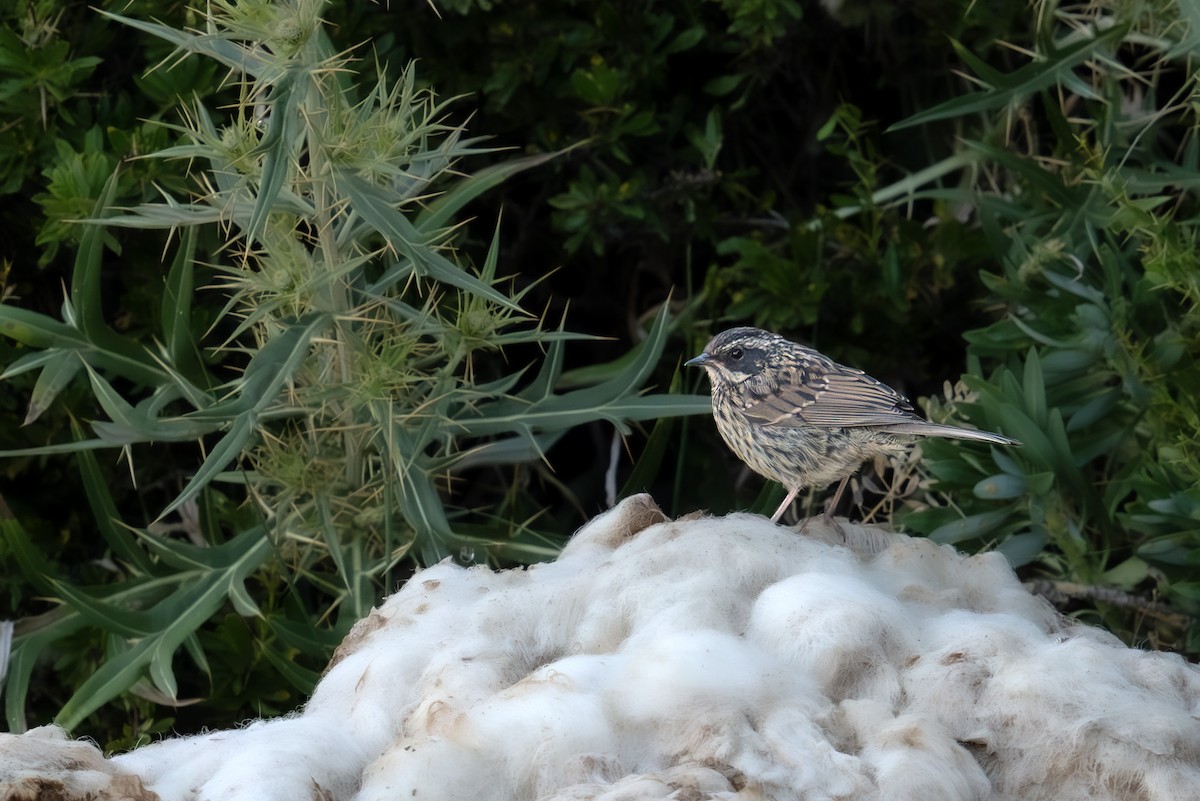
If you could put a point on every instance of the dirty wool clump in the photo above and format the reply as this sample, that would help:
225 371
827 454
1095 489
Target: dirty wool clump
709 658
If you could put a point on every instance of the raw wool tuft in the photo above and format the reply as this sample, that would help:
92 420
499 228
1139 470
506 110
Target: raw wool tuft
707 658
42 764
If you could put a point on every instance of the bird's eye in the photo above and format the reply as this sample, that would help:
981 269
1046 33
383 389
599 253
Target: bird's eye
736 354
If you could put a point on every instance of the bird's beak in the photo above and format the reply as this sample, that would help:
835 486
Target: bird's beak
699 361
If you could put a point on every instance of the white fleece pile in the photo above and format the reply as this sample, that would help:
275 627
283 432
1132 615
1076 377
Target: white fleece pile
712 658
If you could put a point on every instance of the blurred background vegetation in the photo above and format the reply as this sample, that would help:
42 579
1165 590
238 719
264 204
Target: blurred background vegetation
380 284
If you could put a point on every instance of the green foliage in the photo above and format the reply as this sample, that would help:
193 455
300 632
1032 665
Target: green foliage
39 73
354 375
1090 208
73 183
643 86
70 126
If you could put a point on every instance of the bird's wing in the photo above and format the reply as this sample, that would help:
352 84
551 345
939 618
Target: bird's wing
838 397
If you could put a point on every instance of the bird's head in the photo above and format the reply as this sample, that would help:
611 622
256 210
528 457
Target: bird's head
737 354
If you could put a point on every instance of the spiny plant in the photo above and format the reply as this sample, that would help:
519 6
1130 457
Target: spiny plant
353 373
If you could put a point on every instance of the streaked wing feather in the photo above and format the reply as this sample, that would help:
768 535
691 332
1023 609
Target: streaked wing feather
780 405
835 399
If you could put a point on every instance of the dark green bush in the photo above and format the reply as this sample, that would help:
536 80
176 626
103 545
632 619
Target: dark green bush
1084 187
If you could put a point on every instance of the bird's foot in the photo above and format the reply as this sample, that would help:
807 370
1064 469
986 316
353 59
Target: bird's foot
827 524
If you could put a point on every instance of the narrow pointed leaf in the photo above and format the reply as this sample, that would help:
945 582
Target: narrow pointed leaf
180 345
992 77
543 385
278 360
63 447
180 616
85 290
303 679
227 450
40 331
441 212
26 652
55 376
161 673
649 352
101 613
509 450
424 510
615 400
262 381
1031 78
374 206
243 603
30 361
85 278
104 512
1035 387
37 330
1001 486
276 148
972 527
231 54
130 424
333 542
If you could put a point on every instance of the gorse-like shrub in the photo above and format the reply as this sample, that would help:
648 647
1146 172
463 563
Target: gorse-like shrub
353 378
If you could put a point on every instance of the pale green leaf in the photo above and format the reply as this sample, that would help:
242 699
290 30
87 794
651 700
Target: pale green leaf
972 527
276 146
233 55
441 212
374 205
56 374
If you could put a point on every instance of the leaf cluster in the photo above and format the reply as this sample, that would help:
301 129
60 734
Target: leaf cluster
345 408
1085 167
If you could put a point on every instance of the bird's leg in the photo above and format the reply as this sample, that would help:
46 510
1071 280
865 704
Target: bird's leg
832 505
791 496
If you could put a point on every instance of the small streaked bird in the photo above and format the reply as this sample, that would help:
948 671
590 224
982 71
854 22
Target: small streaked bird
800 418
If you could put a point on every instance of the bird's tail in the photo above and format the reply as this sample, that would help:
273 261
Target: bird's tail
925 429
